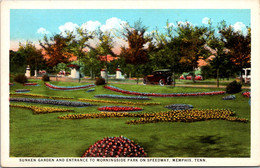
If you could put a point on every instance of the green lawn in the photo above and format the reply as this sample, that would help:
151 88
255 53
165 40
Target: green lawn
45 135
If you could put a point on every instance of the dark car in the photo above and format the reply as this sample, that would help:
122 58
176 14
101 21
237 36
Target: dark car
161 77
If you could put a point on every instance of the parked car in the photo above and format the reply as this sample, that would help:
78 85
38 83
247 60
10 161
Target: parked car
161 77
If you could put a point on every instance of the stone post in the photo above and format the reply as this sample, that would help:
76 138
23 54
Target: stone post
28 71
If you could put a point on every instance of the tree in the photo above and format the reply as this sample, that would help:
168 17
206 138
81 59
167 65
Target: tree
104 48
218 50
56 49
79 43
91 61
17 63
191 42
239 46
32 55
165 51
136 53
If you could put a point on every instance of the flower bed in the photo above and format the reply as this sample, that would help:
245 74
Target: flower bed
90 90
163 94
41 110
230 97
11 84
22 90
30 84
122 97
247 94
115 147
51 101
120 102
51 86
38 95
179 106
169 116
119 109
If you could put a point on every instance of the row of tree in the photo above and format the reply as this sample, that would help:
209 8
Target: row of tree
179 48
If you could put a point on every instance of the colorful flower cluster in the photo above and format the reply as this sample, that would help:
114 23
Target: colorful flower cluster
38 95
121 102
115 147
11 84
51 101
188 116
41 110
122 97
119 109
51 86
230 97
30 84
99 115
22 90
179 106
247 94
169 116
163 94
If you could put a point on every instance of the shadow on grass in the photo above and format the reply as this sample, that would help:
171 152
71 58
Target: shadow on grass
196 146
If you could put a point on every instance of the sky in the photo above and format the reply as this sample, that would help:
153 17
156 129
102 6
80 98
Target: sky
33 24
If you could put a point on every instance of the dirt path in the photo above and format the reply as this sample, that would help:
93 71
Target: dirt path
62 79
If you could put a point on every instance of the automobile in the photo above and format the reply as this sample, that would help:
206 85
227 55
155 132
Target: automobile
161 77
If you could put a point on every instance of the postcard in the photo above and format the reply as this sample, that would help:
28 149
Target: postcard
130 83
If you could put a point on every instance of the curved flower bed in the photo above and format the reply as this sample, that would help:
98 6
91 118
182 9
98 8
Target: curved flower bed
122 97
41 110
230 97
120 102
116 89
115 147
119 109
30 84
247 94
169 116
179 106
51 86
51 101
22 90
38 95
90 90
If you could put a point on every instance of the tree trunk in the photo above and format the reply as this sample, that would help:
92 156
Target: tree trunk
193 75
173 79
241 76
91 73
218 77
79 69
137 75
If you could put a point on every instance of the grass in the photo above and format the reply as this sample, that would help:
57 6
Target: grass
45 135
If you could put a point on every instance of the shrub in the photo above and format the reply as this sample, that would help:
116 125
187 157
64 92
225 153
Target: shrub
21 78
233 87
45 78
100 81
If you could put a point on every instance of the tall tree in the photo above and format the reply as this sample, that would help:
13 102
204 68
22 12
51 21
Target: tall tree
32 55
165 52
56 49
79 43
239 46
192 40
104 48
136 53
